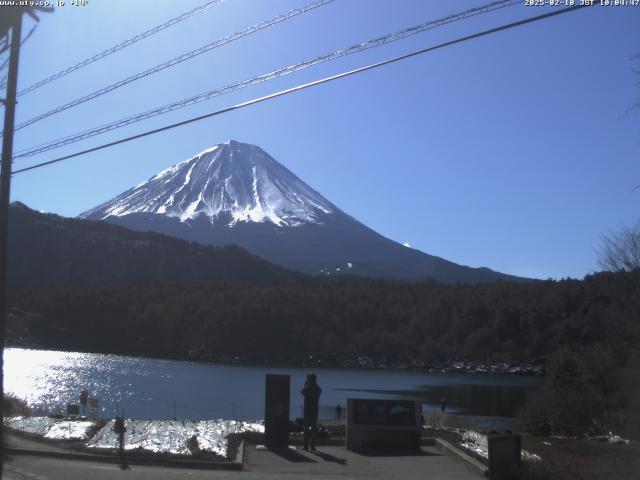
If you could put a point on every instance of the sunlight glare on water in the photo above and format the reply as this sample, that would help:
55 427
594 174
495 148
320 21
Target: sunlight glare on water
147 388
48 380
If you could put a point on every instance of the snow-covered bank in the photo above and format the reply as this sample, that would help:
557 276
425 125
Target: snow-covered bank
475 441
176 437
181 437
478 443
51 428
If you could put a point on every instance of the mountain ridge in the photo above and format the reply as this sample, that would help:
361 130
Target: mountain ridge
47 251
234 178
236 193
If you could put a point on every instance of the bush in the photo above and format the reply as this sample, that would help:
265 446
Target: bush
14 406
580 394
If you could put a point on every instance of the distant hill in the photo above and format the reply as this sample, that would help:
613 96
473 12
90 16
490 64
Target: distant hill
47 250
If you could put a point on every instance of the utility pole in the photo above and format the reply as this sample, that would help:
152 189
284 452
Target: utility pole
11 18
5 190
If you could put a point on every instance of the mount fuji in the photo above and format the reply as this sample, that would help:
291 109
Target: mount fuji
235 193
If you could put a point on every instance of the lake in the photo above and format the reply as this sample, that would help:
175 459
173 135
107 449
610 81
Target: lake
163 389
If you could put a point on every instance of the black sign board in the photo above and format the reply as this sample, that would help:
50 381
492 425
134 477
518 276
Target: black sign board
276 411
118 425
73 409
384 412
504 456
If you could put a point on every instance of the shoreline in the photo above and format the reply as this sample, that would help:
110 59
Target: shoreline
533 368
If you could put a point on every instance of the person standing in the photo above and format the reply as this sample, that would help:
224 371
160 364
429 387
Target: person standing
444 408
311 393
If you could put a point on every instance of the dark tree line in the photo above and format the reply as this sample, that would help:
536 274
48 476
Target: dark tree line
588 329
337 318
48 251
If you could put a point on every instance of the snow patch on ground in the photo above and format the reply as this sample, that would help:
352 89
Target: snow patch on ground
610 438
157 436
52 428
475 442
530 457
478 443
173 436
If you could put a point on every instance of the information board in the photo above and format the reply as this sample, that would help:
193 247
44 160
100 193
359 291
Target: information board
383 425
384 412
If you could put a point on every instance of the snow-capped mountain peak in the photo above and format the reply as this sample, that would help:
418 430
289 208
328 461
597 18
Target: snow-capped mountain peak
236 194
232 178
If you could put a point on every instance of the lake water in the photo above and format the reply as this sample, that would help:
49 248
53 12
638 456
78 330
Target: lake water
161 389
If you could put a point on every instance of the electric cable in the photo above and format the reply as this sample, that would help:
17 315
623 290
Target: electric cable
116 48
174 61
310 84
5 62
356 48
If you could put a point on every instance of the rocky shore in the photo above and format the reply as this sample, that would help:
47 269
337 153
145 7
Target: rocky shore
532 367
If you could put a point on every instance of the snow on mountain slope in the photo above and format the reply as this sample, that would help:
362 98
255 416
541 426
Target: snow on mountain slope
234 178
236 194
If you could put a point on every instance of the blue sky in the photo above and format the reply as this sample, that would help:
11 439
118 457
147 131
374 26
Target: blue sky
513 151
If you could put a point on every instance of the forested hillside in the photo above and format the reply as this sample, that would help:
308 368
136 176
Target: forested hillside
47 250
336 318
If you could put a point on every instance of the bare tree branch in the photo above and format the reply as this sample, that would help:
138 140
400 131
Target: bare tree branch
620 251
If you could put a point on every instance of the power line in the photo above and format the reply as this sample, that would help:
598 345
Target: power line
5 63
270 75
308 85
116 48
358 47
175 61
